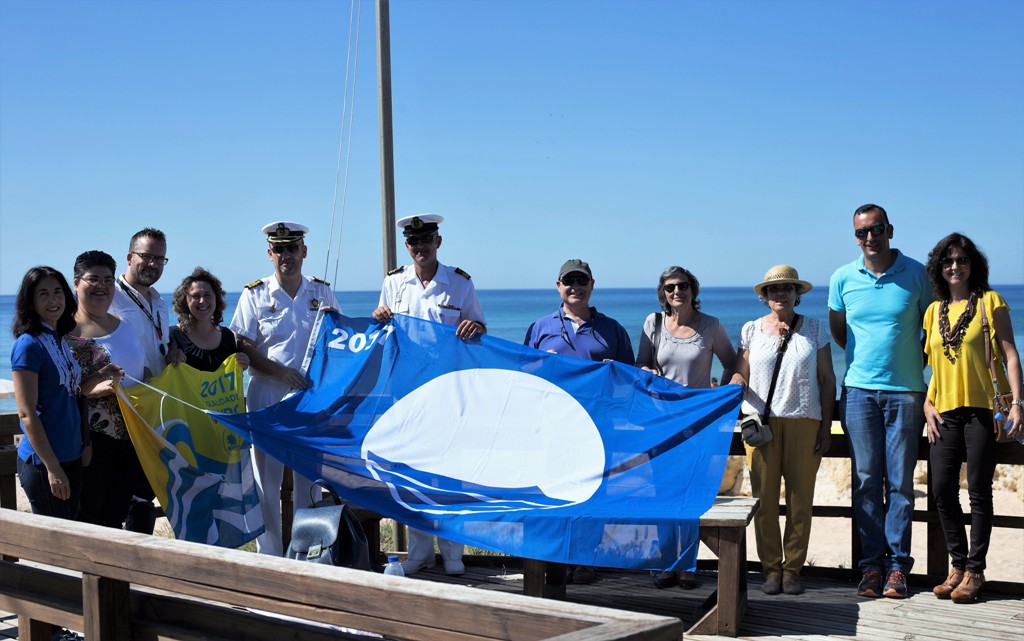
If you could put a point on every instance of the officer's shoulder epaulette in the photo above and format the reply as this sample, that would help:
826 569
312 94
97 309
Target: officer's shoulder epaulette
255 283
319 280
458 270
396 270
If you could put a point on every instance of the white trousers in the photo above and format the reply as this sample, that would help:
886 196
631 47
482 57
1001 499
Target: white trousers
421 547
269 474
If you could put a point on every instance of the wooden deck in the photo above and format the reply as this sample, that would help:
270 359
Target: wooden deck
828 609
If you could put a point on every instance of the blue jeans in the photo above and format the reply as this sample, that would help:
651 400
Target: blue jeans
35 481
884 431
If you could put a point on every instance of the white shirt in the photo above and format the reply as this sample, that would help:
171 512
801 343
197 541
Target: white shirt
279 326
448 298
150 319
797 394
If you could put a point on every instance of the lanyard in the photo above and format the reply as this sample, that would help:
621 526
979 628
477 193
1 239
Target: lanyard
128 289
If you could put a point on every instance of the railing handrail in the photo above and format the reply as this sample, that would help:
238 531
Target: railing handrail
110 560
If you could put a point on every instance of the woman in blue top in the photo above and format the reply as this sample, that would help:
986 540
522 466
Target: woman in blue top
46 380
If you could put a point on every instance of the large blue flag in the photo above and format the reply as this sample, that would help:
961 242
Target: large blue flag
504 447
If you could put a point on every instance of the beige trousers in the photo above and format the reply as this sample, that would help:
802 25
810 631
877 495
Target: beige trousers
789 455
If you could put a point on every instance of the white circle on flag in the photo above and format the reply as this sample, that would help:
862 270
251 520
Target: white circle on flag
495 428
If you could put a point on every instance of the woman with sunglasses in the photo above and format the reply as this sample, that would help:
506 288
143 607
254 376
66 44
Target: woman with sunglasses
680 343
958 407
105 346
800 418
199 340
46 382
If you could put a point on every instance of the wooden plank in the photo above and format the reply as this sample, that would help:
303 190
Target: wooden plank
33 630
630 631
334 595
106 608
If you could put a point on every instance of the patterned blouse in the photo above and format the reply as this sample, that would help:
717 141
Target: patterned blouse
104 413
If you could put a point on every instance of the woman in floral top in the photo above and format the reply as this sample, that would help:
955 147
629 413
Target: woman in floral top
103 343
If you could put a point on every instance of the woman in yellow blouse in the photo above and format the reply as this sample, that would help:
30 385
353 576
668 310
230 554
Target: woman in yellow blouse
959 403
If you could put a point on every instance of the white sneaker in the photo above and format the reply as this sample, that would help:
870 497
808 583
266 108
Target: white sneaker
454 567
412 566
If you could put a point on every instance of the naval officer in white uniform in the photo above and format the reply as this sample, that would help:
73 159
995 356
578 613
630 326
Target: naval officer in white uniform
273 321
432 291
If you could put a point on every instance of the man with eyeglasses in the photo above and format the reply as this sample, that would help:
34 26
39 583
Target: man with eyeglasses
273 321
432 291
136 300
876 308
139 303
577 329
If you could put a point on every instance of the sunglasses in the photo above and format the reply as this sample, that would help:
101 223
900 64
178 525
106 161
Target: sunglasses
413 241
785 287
671 287
874 230
290 248
964 261
575 281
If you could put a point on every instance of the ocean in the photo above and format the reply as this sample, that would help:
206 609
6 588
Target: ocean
511 311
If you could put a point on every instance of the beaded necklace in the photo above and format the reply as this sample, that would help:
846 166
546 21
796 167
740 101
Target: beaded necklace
953 338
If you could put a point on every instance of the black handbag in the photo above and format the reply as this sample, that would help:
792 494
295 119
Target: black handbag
329 533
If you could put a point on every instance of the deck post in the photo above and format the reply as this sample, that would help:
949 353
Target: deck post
34 630
106 608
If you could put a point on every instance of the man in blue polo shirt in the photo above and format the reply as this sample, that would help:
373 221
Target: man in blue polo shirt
577 329
876 305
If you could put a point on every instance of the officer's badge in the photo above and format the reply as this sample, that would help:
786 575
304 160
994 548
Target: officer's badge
314 304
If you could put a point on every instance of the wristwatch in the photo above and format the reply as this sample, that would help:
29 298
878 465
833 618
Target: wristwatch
1017 401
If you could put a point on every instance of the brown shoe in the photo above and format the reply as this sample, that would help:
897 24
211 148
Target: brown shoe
944 589
967 591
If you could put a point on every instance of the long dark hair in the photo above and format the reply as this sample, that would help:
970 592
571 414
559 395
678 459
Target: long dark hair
186 321
26 321
678 272
977 281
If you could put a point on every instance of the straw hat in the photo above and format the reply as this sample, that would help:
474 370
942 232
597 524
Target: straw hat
780 275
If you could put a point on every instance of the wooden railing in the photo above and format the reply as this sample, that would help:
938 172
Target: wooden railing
134 586
936 556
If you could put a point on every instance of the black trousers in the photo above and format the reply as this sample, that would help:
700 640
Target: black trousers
108 481
967 436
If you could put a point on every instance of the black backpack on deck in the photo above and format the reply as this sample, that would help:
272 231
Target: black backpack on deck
329 533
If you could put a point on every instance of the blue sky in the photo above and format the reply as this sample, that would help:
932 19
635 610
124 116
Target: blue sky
722 136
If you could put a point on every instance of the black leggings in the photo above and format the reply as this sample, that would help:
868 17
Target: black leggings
966 436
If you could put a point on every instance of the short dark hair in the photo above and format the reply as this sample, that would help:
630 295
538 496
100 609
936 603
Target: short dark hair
26 321
186 321
864 209
978 280
93 258
675 271
148 232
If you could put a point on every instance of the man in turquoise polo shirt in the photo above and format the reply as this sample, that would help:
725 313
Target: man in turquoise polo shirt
876 305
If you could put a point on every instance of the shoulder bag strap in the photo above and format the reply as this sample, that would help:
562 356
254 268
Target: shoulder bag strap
778 366
989 356
656 340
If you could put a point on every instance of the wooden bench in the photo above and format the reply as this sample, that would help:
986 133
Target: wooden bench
723 529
